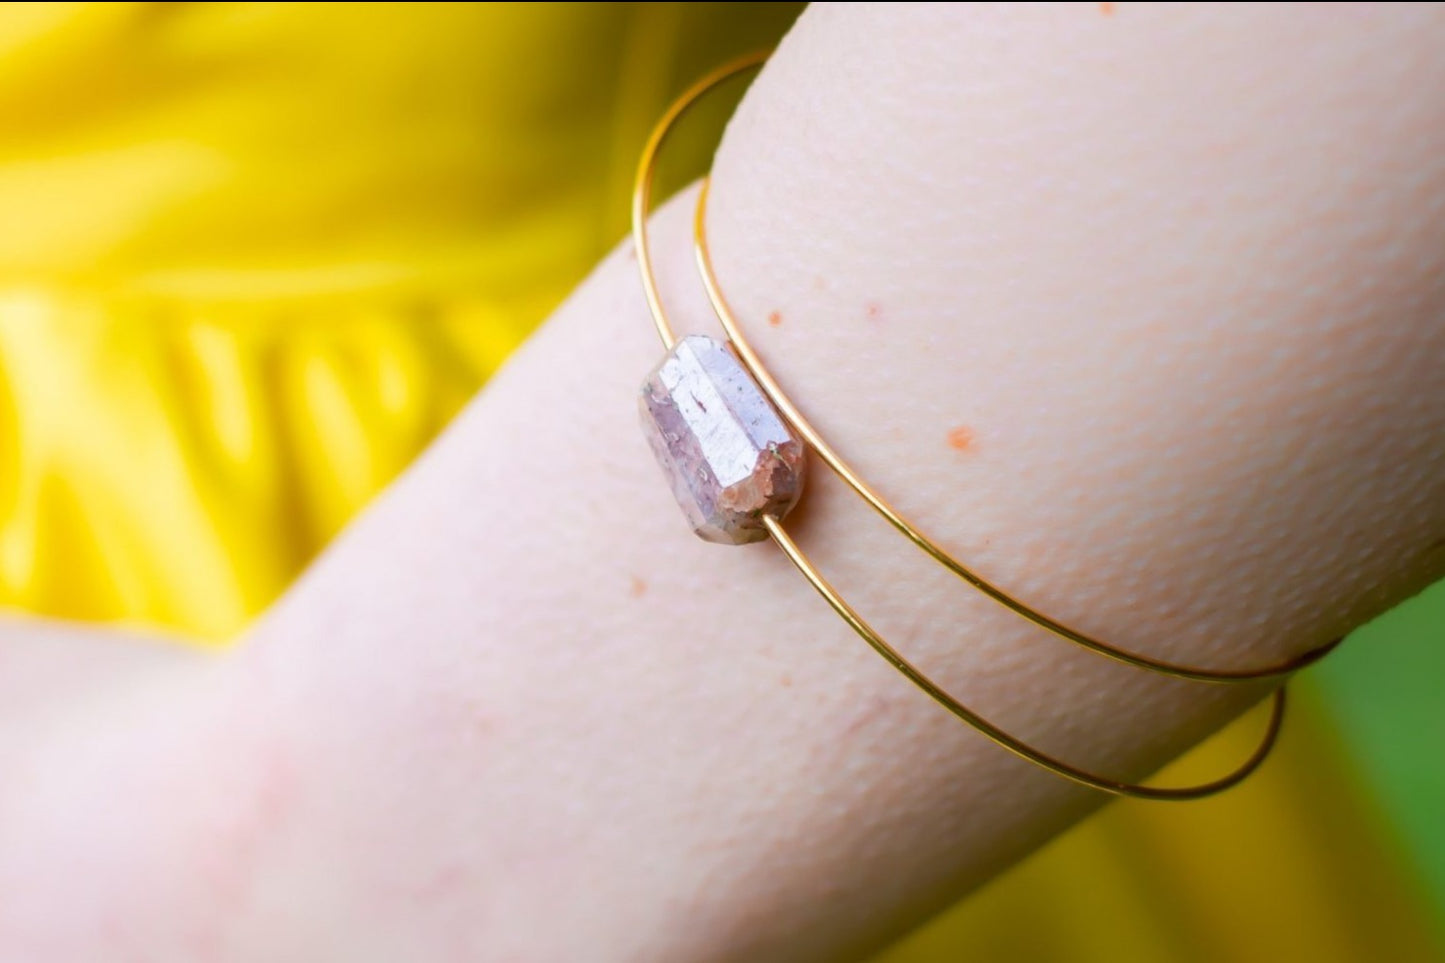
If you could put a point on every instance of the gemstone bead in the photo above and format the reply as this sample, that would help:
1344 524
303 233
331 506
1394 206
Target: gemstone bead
728 453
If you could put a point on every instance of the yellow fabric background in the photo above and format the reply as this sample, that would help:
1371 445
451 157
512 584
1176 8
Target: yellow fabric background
255 255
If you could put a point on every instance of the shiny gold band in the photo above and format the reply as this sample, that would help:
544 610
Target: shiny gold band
641 204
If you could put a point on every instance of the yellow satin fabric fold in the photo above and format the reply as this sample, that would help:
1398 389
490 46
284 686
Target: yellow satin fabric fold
254 256
179 470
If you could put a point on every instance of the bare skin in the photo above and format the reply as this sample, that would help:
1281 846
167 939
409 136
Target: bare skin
1139 313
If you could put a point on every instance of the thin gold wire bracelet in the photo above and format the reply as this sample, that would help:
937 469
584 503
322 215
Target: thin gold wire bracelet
770 523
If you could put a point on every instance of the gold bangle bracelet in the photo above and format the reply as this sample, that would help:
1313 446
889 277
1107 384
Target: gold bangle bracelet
776 487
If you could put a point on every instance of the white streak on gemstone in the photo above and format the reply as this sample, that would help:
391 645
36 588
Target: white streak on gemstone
728 453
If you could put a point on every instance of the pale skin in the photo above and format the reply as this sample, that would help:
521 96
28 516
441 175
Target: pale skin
1138 311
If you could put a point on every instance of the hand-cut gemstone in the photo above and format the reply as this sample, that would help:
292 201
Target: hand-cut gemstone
728 453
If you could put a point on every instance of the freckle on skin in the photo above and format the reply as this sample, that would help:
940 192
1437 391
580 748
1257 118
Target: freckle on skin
1107 9
775 318
875 311
960 438
638 588
786 680
819 283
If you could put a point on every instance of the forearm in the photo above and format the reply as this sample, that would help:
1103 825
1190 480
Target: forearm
1128 341
674 749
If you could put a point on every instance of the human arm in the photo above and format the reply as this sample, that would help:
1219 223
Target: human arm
1191 330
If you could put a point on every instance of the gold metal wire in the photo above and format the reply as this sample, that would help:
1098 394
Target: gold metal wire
642 182
999 737
641 204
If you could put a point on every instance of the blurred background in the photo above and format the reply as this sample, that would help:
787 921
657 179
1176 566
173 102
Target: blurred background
254 256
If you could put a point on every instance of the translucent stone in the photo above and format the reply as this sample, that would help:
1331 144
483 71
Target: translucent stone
728 453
